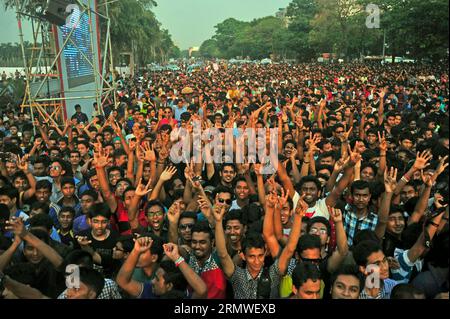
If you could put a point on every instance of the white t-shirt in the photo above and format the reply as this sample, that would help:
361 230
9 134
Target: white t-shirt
320 209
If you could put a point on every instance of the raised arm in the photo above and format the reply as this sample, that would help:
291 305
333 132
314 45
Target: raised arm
17 226
7 255
381 107
22 164
195 281
133 209
341 252
100 162
333 197
294 236
173 216
124 277
390 182
225 259
268 227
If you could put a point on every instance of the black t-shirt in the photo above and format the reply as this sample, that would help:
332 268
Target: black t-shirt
105 249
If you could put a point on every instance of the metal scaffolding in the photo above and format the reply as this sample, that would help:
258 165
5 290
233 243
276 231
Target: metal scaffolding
42 68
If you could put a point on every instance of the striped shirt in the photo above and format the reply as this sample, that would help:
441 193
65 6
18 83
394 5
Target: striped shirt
403 274
383 293
353 224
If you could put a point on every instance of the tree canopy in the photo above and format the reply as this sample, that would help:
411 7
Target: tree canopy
307 28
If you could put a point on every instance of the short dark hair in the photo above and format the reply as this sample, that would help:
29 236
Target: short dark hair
360 185
233 214
41 220
348 270
188 214
303 272
363 250
67 180
253 240
90 192
203 227
11 192
308 241
93 279
228 164
99 209
38 205
306 179
173 275
222 189
44 184
67 209
154 203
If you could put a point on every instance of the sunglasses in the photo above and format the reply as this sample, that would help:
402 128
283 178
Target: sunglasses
185 226
158 214
227 201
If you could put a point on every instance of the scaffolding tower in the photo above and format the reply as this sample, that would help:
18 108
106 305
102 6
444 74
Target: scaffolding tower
43 95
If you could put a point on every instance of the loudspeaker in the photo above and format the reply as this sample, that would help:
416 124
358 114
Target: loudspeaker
55 11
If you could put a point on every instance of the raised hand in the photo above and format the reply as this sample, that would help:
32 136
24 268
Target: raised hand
100 158
390 180
427 179
344 137
219 212
142 190
168 173
174 212
441 166
437 200
257 167
132 145
205 206
243 168
171 251
283 198
272 199
22 163
293 154
16 225
339 165
335 214
83 241
142 244
422 160
302 206
382 142
354 157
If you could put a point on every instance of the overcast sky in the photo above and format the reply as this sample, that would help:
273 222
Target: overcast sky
190 22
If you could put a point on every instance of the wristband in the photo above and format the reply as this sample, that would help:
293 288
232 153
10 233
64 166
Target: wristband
405 179
179 261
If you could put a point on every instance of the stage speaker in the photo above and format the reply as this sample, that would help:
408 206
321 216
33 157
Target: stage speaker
57 11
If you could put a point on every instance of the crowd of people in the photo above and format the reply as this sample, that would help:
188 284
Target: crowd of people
356 208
